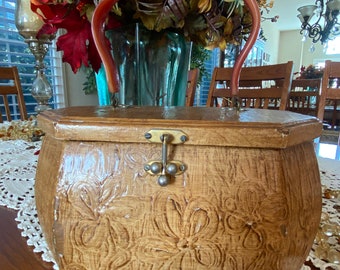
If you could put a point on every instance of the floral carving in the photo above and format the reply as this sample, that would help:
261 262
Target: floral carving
252 213
117 217
184 234
97 234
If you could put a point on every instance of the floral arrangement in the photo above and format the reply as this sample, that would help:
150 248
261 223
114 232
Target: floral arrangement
310 72
210 23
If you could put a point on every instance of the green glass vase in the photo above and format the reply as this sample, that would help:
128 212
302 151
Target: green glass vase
152 66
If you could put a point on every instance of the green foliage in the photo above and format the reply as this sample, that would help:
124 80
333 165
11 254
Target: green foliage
198 57
90 86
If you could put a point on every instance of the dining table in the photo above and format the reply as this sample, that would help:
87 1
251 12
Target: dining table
22 243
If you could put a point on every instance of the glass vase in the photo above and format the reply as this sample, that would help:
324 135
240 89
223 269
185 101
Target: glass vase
152 66
104 97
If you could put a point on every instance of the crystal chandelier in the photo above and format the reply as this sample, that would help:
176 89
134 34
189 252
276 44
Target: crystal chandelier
326 26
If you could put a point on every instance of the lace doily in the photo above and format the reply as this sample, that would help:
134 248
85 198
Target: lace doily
18 161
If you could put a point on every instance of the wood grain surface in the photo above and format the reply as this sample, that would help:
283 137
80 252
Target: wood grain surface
203 125
15 254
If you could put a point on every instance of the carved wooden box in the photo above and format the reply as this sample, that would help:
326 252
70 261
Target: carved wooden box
178 188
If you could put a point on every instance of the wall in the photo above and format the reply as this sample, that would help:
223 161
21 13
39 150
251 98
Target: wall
286 46
74 89
292 48
273 40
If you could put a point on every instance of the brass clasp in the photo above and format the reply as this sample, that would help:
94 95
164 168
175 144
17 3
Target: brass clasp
165 169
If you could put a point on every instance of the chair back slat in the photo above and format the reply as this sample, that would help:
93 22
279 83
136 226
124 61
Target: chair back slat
330 91
265 87
304 96
10 85
191 88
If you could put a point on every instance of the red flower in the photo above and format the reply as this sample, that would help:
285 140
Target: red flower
310 72
77 44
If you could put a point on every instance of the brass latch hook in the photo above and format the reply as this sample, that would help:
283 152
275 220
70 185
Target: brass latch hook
165 169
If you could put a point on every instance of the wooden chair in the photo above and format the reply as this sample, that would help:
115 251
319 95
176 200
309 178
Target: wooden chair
304 96
265 87
192 84
10 85
330 90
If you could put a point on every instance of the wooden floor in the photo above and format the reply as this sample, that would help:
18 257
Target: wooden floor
15 254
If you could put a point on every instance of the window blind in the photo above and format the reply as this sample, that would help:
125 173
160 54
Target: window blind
15 52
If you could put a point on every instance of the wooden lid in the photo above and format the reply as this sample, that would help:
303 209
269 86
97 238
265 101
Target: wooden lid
202 125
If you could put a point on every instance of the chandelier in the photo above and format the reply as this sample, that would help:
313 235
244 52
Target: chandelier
326 26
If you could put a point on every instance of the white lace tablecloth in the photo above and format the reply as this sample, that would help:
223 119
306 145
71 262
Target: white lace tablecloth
18 161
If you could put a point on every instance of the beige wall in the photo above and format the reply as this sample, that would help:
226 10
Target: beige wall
287 46
291 47
74 89
273 40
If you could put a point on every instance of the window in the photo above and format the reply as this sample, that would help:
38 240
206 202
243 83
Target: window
202 92
14 51
333 46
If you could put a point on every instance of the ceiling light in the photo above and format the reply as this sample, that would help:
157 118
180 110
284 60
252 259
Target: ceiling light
326 25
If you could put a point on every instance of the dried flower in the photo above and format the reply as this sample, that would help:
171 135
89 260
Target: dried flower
311 72
211 23
23 130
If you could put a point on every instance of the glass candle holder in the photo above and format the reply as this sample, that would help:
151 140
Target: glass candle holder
28 24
